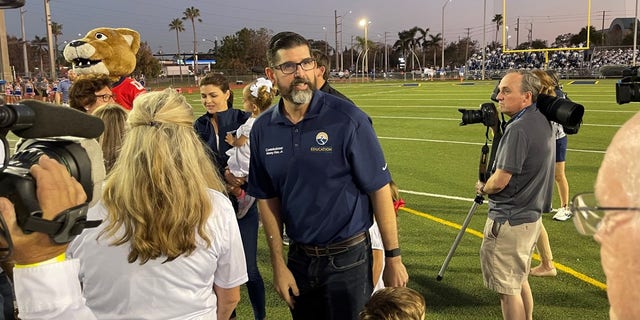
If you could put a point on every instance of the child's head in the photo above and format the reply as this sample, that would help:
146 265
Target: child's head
257 96
394 303
395 196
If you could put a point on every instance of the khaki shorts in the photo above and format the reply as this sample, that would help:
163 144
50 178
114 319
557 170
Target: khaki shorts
505 255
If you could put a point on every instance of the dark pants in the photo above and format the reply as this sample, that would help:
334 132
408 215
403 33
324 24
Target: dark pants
6 298
255 286
331 287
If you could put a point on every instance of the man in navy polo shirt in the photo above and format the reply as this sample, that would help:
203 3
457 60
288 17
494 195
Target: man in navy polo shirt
318 168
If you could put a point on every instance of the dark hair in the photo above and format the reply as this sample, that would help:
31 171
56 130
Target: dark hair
321 61
83 90
220 81
284 40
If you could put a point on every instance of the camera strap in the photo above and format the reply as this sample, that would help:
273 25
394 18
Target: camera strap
65 226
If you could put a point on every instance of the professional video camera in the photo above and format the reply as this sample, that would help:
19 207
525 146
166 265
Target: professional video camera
57 132
628 88
562 111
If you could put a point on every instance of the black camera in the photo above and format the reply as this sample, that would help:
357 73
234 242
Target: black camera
63 134
563 111
628 88
487 115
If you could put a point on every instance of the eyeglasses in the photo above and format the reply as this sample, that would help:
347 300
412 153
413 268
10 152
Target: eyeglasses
588 216
106 97
291 67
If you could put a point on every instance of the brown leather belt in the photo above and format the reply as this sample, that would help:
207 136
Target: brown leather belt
334 248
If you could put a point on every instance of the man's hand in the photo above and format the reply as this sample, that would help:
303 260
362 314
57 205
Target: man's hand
56 191
284 281
480 188
394 273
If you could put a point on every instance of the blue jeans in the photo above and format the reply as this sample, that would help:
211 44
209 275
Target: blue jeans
6 297
255 286
331 287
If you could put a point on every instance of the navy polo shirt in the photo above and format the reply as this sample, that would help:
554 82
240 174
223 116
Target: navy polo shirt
228 120
321 168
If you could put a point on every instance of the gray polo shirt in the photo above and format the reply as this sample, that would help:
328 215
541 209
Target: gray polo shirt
527 151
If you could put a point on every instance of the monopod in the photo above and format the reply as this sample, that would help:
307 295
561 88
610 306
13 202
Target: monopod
478 200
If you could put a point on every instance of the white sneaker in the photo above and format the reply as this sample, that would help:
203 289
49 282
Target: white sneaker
244 204
563 214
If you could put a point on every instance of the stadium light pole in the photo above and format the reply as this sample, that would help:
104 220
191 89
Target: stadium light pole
326 44
484 36
365 59
443 6
635 35
52 58
215 42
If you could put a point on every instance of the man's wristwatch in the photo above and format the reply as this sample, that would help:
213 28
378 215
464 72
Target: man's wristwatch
392 253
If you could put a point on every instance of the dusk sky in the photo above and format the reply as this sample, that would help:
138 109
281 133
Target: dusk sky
315 20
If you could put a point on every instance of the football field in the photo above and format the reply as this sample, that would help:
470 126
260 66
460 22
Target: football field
435 163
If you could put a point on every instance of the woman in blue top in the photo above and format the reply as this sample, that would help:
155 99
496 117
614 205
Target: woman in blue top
212 127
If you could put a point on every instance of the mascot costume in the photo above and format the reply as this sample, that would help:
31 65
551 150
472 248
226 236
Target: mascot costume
110 51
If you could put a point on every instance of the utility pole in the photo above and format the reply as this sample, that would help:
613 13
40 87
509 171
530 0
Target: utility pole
602 30
351 62
386 53
517 32
338 49
531 34
5 68
466 51
52 58
24 43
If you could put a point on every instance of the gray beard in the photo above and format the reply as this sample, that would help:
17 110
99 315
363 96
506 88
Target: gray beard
301 97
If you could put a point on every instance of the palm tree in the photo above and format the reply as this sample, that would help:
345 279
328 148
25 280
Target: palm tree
413 41
41 45
434 42
498 20
404 41
56 31
193 14
177 25
422 41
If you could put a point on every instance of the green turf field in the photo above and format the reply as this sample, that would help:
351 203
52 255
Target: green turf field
435 163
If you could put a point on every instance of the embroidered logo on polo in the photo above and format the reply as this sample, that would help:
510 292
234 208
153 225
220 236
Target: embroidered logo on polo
321 139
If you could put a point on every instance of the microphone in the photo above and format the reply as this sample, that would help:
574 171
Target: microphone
36 119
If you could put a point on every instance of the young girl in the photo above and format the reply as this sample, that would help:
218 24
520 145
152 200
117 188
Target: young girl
256 98
376 240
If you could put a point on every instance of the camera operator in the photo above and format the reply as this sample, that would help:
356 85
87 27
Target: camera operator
44 279
519 190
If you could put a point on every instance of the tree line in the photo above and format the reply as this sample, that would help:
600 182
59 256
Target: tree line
245 50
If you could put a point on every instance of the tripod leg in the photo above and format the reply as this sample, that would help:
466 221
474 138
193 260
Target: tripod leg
476 202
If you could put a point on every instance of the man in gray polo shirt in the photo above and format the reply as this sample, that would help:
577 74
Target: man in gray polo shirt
519 189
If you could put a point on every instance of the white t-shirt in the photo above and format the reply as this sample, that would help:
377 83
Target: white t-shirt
239 156
376 244
179 289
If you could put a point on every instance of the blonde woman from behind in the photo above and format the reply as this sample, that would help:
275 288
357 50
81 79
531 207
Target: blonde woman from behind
169 245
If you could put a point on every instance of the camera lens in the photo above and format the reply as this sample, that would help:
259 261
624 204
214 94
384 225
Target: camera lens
470 116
